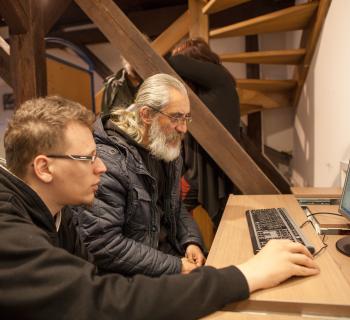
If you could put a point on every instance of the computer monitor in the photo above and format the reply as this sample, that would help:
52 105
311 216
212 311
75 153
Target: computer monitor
343 244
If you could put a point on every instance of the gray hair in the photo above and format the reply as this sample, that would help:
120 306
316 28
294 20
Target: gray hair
154 93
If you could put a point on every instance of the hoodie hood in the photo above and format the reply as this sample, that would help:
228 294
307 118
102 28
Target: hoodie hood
17 198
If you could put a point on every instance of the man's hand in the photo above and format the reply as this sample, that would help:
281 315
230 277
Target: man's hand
276 262
187 266
195 255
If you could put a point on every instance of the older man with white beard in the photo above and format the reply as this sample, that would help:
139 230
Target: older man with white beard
138 223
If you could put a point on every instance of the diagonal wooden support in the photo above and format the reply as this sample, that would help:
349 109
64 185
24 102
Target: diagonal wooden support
173 34
5 72
214 138
218 5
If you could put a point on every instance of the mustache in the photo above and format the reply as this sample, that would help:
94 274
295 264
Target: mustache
175 136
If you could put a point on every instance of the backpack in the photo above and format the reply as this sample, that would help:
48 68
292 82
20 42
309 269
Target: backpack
118 92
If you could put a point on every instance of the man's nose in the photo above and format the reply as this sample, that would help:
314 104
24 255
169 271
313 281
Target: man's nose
100 167
181 127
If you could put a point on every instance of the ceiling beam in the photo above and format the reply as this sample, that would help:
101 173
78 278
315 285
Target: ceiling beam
52 11
83 37
5 72
206 129
15 15
150 22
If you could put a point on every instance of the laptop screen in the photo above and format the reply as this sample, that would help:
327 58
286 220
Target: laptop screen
344 207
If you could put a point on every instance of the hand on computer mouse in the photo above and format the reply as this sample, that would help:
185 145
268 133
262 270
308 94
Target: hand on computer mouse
276 262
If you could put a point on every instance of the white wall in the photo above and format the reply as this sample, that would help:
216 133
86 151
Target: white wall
321 130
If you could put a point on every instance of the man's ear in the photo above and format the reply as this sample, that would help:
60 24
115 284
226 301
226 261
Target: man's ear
146 115
42 168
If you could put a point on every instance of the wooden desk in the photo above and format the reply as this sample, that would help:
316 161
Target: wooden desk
327 294
313 192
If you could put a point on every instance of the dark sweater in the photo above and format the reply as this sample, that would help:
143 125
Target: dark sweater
42 278
216 88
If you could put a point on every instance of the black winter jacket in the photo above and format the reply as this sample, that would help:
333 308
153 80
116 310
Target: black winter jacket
40 278
122 228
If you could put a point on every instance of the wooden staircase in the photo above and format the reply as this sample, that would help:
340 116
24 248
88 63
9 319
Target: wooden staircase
259 94
265 93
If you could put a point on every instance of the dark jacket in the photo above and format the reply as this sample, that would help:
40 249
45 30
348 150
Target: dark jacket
122 229
40 278
217 89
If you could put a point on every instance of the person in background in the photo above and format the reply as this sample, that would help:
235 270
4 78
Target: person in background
120 88
203 181
52 162
138 223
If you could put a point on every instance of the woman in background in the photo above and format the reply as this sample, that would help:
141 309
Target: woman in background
203 181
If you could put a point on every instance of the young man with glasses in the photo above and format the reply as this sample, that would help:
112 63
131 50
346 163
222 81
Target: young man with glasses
138 223
44 272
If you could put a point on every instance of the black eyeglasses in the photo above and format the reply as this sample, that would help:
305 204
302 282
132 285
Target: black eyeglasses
175 118
73 157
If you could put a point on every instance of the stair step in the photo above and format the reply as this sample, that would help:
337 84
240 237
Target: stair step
218 5
294 56
292 18
266 85
265 99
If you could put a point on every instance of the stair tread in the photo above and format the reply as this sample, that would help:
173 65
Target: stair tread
266 85
292 56
265 99
292 18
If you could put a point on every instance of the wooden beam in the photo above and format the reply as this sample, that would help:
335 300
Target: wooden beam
52 11
206 128
15 15
5 72
199 22
84 37
28 64
218 5
294 56
309 39
172 35
293 18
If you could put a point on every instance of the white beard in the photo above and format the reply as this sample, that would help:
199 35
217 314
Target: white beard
159 143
